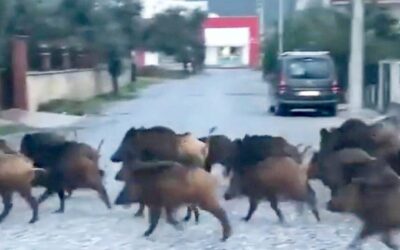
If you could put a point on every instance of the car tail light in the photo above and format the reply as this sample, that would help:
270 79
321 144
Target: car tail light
335 87
282 85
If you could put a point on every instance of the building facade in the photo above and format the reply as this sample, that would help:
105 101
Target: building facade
232 41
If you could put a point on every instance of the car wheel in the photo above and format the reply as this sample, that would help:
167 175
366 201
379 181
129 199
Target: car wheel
281 110
332 110
272 109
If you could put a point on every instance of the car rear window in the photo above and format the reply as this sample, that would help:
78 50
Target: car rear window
309 68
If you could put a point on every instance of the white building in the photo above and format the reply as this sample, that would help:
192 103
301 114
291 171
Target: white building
153 7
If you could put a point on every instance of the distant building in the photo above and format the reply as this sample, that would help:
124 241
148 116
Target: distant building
232 41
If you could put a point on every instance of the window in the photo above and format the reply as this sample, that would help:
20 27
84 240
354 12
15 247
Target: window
309 68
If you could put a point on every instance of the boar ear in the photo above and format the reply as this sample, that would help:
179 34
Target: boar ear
99 146
212 130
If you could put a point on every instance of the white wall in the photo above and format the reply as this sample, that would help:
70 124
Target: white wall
246 55
43 87
151 58
222 37
227 36
211 56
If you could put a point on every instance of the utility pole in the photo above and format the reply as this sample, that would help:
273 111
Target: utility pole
280 25
356 65
261 18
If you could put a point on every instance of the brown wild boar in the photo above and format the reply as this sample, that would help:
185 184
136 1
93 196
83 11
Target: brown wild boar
170 185
335 168
272 179
160 143
376 202
16 175
71 168
377 140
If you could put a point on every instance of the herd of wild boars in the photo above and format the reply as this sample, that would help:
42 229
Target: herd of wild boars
162 171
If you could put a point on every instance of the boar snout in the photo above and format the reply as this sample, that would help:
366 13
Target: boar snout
228 196
117 156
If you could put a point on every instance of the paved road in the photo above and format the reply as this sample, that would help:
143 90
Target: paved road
234 101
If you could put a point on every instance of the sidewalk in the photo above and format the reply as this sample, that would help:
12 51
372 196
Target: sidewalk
67 125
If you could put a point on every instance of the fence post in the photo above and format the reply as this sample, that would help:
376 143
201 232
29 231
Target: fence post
19 58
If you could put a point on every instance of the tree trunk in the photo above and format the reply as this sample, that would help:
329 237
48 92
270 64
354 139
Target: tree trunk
115 85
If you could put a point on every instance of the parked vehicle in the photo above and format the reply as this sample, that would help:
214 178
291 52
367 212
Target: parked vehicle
304 80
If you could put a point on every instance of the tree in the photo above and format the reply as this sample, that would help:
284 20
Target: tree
99 26
110 28
177 33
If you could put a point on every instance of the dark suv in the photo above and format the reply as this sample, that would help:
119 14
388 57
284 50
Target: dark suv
305 80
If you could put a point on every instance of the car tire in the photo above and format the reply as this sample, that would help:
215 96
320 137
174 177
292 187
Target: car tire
281 110
272 109
332 110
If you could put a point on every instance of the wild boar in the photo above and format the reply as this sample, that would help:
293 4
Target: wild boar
272 179
71 168
16 175
160 143
170 185
247 151
377 140
376 202
336 168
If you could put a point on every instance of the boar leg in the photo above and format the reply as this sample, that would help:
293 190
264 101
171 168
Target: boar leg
171 219
365 232
61 196
195 210
274 205
312 202
7 202
155 213
196 213
215 209
140 212
188 214
388 240
27 195
253 207
101 190
45 195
